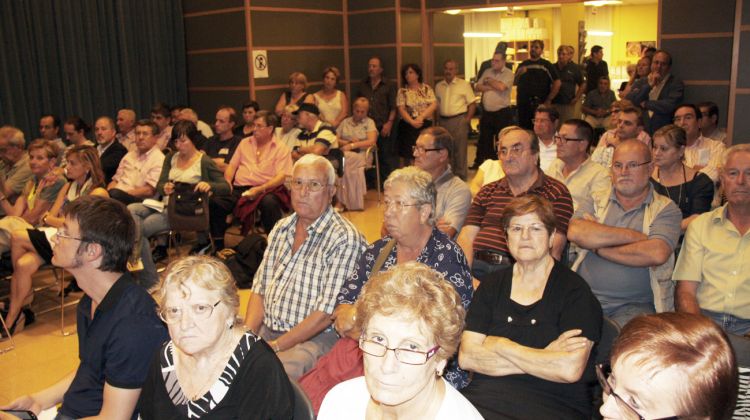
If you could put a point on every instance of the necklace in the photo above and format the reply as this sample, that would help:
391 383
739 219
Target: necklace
679 195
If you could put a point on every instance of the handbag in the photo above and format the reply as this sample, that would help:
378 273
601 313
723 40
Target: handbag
187 201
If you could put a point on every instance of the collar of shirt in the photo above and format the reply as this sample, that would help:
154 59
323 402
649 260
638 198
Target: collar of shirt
144 156
103 149
444 177
318 226
503 182
114 293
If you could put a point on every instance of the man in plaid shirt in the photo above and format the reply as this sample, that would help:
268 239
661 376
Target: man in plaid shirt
309 255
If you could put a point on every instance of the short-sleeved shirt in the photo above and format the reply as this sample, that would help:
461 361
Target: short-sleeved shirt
454 98
322 133
355 131
486 210
717 256
493 100
115 346
16 175
567 303
597 100
453 199
593 72
570 78
216 148
254 171
538 78
582 182
138 170
382 99
616 284
48 193
706 153
296 284
417 100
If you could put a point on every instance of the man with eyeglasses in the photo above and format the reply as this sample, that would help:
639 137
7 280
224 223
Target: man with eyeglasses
222 145
118 328
482 237
310 253
701 153
256 172
432 153
711 273
626 246
629 127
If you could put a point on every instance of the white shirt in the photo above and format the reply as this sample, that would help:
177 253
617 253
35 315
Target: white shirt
547 154
706 153
582 182
349 400
454 97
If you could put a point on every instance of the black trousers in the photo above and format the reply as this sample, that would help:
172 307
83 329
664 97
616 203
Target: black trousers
123 197
221 207
490 124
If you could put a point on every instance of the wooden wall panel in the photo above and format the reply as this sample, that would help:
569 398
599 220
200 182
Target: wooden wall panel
222 30
372 28
718 94
713 63
447 28
220 69
695 16
742 122
300 4
206 103
411 27
355 5
443 53
298 29
193 6
743 79
412 55
309 62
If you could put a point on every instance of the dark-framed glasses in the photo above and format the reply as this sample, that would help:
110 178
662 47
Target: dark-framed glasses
297 184
562 139
603 372
421 150
198 311
406 356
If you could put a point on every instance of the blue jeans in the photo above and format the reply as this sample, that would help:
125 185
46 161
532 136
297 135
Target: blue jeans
622 314
728 322
147 223
481 268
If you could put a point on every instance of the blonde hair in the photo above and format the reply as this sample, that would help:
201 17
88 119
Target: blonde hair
202 271
336 72
298 77
415 291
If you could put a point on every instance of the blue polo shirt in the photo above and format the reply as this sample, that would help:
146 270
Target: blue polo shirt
115 347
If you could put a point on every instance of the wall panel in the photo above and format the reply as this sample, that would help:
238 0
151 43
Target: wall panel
309 62
219 69
742 122
215 31
193 6
372 28
300 4
298 28
206 103
697 16
714 62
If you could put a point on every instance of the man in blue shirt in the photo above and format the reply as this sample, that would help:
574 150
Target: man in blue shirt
118 328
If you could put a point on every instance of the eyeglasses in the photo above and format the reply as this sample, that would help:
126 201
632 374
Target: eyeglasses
312 185
516 150
406 356
398 205
630 166
199 312
420 149
562 139
60 234
603 372
535 229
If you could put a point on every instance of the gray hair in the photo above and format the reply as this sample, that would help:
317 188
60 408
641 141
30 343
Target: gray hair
14 136
312 159
737 148
419 185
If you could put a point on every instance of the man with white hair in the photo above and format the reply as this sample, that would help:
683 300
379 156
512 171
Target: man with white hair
126 128
310 253
14 163
187 114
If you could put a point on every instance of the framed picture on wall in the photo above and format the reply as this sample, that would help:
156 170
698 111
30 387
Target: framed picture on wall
634 48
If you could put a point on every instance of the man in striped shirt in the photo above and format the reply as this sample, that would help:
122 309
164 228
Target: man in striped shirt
309 255
482 237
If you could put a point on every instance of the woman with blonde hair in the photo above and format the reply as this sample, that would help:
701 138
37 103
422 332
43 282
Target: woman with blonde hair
332 103
296 94
211 366
411 320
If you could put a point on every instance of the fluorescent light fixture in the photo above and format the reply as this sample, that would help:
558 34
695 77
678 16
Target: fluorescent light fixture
483 35
600 33
453 11
600 3
490 9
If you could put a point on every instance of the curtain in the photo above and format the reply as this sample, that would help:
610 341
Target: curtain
88 58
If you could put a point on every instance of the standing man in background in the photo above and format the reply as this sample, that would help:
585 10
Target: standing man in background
455 111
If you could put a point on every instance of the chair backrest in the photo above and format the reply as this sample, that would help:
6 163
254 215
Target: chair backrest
303 409
741 347
600 354
336 157
180 222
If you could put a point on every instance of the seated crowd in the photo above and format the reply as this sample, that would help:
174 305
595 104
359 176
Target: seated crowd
492 298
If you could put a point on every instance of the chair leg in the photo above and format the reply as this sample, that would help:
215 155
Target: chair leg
60 277
10 338
377 173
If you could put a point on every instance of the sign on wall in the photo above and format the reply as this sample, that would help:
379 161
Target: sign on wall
260 64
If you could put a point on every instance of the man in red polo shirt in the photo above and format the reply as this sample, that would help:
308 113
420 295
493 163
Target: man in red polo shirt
482 237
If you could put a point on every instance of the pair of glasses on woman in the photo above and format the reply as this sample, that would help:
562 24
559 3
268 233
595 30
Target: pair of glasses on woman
406 356
603 371
198 312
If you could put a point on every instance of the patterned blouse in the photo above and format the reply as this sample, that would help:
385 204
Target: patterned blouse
416 100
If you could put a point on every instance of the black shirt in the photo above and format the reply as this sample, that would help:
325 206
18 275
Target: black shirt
115 346
593 72
538 78
217 148
693 197
567 303
382 99
570 78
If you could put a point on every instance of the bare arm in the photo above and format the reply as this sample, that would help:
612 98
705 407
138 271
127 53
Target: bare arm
32 216
594 235
686 299
118 403
470 111
558 245
477 354
476 182
553 92
344 110
466 241
229 172
220 163
254 313
646 253
343 318
305 330
13 209
280 104
316 148
44 399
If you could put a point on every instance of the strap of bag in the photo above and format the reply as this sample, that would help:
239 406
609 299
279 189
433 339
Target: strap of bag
384 253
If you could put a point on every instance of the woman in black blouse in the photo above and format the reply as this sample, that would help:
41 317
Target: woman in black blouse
691 190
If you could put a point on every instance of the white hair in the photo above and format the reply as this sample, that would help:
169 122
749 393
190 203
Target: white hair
312 159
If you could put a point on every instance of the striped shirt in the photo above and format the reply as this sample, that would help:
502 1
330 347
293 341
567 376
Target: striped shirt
487 209
296 284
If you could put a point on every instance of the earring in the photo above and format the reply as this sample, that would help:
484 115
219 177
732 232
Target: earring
230 325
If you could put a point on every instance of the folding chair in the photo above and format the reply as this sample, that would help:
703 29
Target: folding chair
373 150
182 223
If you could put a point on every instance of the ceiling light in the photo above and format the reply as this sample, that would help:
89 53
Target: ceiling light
490 9
482 35
453 11
600 33
600 3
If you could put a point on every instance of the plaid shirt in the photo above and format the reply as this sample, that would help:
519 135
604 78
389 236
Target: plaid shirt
296 284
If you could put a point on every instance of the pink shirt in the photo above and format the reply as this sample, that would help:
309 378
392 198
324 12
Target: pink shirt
253 171
136 170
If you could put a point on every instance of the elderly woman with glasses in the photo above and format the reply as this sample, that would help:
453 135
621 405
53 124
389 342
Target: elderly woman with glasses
410 320
212 367
531 327
412 236
669 366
